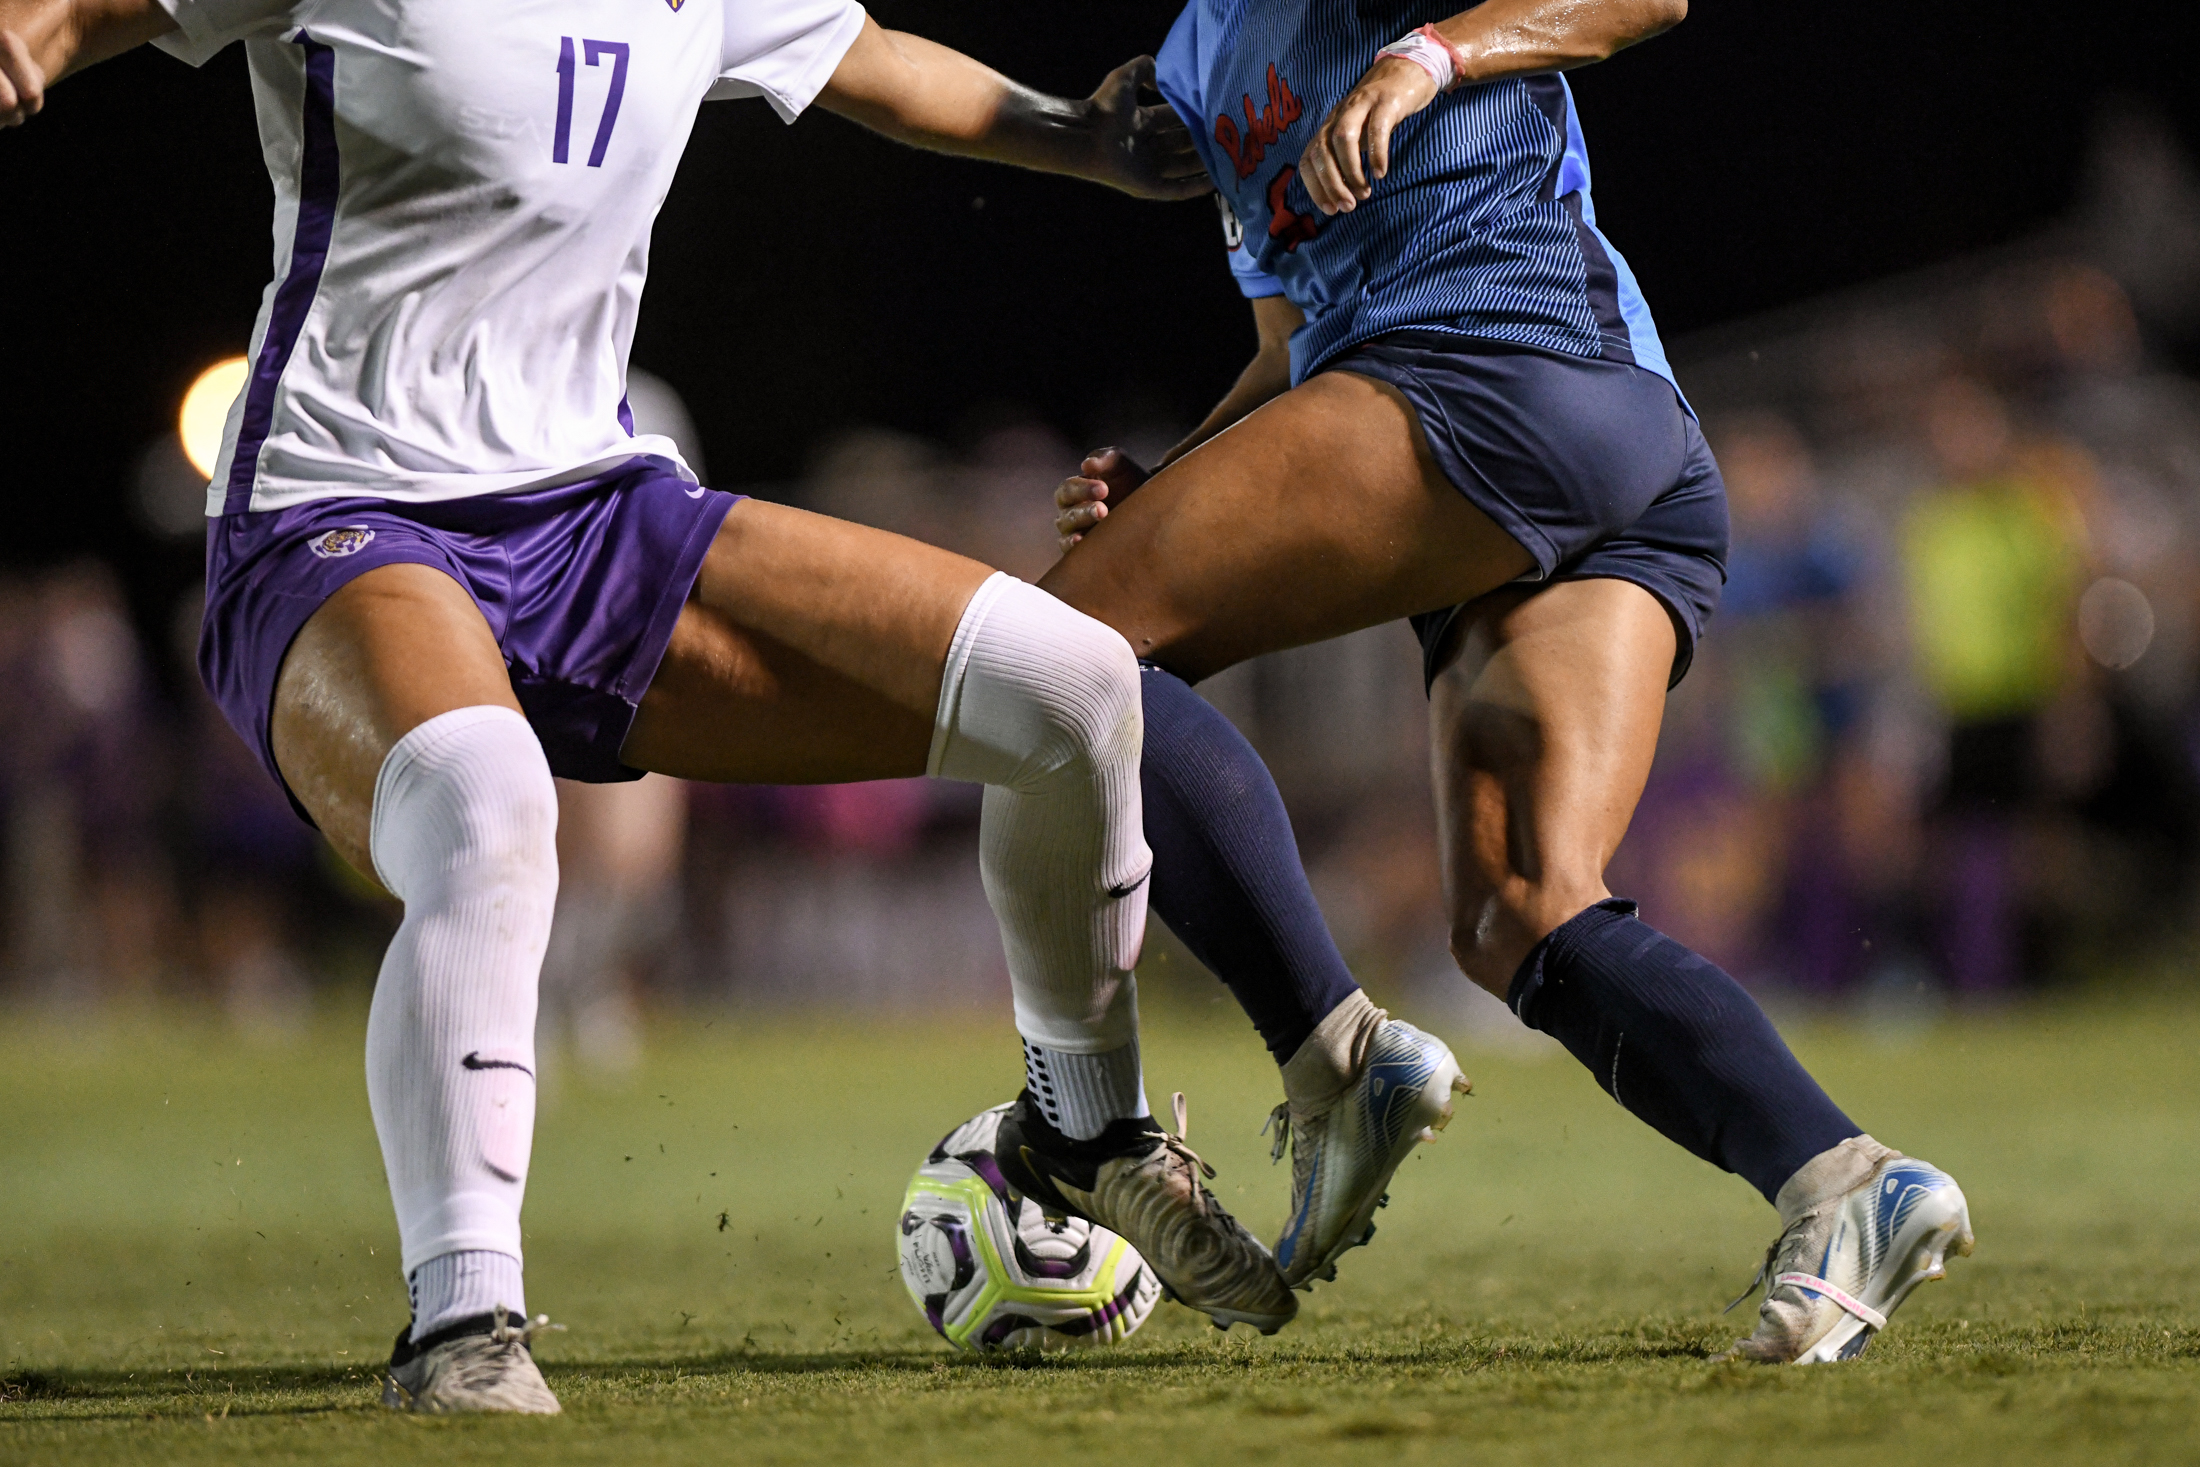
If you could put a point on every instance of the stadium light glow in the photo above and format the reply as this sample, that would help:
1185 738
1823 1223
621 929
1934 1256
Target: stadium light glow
205 411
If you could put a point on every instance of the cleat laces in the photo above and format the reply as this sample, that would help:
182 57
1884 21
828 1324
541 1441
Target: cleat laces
1194 1167
1764 1272
504 1334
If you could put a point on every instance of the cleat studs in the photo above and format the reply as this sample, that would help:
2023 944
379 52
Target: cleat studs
1461 1085
1383 1201
1441 1121
1428 1134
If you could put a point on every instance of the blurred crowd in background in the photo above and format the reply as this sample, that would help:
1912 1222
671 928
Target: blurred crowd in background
1942 743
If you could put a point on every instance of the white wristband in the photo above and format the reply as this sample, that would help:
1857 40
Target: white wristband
1425 53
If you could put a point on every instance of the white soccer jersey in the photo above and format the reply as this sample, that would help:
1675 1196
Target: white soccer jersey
463 201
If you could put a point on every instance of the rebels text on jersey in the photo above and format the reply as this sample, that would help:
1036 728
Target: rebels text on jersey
463 202
1483 227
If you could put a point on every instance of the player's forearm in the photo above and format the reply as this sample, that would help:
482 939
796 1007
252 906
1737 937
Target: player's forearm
1266 376
1505 38
928 96
65 36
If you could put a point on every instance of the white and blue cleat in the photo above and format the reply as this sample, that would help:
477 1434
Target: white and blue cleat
1853 1248
1362 1093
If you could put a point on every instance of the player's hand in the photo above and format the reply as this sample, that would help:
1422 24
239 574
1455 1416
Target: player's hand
1082 501
1144 149
1359 128
22 81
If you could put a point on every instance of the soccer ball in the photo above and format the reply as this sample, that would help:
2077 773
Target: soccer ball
991 1272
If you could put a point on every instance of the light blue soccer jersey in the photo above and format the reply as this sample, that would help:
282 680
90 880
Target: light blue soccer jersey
1483 227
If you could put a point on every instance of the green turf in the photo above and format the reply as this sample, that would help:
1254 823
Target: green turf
197 1264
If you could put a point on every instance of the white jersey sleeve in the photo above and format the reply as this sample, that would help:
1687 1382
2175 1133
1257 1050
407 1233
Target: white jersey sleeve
203 27
781 50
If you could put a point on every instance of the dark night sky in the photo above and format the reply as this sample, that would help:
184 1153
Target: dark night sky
814 276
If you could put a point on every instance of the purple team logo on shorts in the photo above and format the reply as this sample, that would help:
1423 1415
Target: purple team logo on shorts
335 544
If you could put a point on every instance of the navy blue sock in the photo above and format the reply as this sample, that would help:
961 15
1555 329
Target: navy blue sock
1675 1040
1226 873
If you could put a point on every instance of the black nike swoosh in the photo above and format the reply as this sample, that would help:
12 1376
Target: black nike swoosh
1119 892
474 1061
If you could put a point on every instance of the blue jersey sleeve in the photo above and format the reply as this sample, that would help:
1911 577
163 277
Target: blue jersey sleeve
1176 77
1177 73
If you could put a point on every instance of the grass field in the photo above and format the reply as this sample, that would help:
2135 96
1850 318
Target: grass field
197 1264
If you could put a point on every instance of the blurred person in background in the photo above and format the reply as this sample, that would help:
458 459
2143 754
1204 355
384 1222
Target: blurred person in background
619 853
91 906
1993 556
1719 825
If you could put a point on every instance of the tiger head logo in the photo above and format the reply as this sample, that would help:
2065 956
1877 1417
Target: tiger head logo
335 544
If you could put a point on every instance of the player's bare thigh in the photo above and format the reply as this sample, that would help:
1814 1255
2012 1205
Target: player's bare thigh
392 649
810 650
1543 722
1317 515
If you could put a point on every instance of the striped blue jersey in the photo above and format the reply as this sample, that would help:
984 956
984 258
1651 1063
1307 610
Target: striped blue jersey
1483 226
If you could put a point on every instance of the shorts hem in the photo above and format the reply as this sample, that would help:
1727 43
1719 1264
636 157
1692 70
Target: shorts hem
656 639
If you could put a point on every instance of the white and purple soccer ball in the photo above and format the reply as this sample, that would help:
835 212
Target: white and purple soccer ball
991 1272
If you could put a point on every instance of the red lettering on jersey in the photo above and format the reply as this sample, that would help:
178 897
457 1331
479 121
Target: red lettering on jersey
1284 222
1246 149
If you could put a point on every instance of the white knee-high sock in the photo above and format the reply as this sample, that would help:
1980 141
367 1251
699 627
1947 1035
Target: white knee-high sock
1041 704
465 834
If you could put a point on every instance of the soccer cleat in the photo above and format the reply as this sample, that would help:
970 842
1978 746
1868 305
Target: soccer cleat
1143 1184
1841 1266
480 1363
1368 1089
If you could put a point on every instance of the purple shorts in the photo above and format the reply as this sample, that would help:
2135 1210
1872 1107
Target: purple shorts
580 585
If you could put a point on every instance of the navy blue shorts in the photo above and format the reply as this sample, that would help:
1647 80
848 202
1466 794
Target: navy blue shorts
580 585
1595 467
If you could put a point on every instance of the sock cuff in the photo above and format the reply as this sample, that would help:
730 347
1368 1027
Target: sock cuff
454 1286
1330 1057
1558 944
1831 1173
1081 1094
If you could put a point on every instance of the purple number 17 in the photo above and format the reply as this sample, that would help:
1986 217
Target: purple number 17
595 51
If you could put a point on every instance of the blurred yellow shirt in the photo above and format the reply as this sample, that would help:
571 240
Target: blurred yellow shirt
1993 571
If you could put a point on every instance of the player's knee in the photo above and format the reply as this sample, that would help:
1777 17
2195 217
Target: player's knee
466 800
1089 698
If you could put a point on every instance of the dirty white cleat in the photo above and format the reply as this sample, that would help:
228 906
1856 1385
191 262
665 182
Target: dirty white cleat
1863 1227
481 1363
1145 1185
1360 1094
